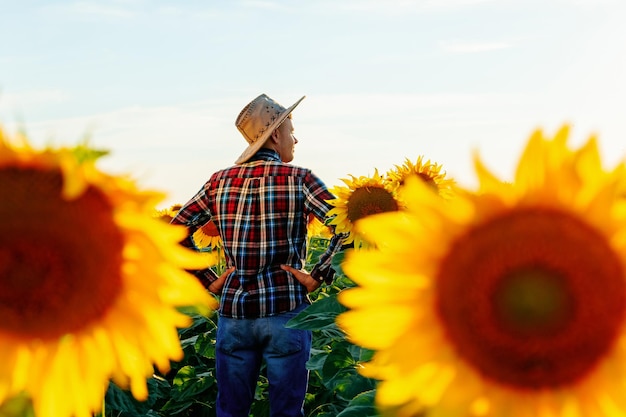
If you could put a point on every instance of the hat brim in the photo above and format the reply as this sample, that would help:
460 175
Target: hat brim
258 144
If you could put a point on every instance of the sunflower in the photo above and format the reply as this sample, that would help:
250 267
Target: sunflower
361 197
207 236
91 281
207 239
167 214
505 301
428 172
317 229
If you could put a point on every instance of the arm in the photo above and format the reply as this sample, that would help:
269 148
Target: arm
216 286
317 197
322 271
305 279
193 215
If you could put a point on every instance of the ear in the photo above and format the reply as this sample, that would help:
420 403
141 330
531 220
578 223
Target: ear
274 136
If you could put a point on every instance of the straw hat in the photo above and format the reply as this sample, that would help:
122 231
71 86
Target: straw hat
258 120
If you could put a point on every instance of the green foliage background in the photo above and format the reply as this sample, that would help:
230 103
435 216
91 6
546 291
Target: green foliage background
335 387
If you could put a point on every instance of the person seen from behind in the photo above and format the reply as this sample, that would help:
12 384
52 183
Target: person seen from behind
261 206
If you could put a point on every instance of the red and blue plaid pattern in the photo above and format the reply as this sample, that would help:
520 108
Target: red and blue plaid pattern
261 210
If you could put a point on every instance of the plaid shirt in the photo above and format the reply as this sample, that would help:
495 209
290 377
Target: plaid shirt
261 209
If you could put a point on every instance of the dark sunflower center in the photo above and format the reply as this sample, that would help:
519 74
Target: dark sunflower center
533 299
210 229
365 201
166 218
60 260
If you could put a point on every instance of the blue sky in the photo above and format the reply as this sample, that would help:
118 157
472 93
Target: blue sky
160 83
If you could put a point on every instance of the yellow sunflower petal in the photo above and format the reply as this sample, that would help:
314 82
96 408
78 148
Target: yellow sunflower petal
428 172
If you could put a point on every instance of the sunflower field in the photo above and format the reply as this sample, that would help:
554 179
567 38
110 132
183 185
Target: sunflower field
505 300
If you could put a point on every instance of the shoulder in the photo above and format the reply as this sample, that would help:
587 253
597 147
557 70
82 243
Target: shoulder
308 177
231 171
282 169
300 171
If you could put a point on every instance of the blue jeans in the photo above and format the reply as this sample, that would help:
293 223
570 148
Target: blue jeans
242 345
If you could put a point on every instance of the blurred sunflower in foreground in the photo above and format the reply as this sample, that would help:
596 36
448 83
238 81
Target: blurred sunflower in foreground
360 198
206 239
429 172
209 246
90 280
506 301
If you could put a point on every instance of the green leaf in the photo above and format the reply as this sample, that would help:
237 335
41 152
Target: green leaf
319 315
18 406
348 383
361 406
189 341
324 414
122 401
338 359
340 375
361 354
338 259
175 407
83 152
205 345
184 374
188 385
317 360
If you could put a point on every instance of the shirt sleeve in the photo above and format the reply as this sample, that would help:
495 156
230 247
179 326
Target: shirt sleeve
323 271
205 276
193 215
317 197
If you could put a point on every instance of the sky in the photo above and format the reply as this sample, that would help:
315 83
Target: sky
159 83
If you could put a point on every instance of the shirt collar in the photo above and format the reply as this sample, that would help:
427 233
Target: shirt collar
265 154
